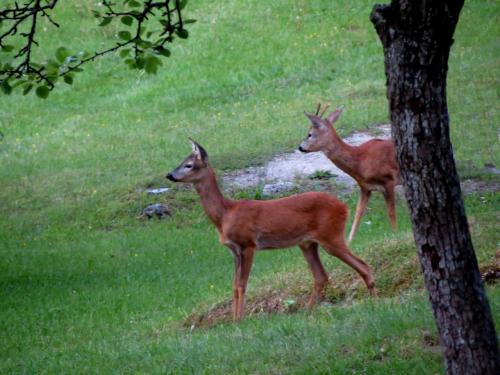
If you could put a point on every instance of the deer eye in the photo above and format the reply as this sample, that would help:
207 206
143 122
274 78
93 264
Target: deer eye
309 135
188 166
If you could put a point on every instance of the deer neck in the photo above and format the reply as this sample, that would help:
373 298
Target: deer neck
341 154
213 201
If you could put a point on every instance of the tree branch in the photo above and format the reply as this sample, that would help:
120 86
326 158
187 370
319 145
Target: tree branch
145 47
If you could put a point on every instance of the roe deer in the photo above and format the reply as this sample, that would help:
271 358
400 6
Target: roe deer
244 226
372 164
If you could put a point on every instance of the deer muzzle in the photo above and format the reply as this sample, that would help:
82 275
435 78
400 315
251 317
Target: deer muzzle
171 177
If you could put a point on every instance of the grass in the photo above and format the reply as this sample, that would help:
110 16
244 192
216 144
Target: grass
86 287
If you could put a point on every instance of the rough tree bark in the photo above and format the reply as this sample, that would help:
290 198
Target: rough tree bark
416 37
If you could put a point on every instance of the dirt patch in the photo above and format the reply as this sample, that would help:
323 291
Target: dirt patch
343 288
290 166
430 341
479 186
268 303
490 273
288 293
293 170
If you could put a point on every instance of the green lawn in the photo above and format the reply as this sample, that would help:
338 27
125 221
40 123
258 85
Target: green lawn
87 287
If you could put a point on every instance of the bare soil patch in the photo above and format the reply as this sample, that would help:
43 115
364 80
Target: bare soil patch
288 167
490 272
288 293
479 186
291 171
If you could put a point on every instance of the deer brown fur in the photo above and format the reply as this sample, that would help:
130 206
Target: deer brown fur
307 220
372 164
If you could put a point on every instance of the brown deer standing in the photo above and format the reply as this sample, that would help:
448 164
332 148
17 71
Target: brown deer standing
372 164
244 226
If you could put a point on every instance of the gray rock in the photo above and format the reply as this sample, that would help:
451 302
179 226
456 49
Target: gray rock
160 210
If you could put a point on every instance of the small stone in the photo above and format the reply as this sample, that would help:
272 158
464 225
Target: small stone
157 191
160 210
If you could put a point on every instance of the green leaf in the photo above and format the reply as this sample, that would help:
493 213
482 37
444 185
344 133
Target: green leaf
187 22
68 79
27 88
6 88
151 66
162 51
96 14
130 63
52 78
61 54
125 35
7 48
18 83
52 65
182 4
42 92
140 62
182 33
106 21
134 4
127 20
145 44
124 53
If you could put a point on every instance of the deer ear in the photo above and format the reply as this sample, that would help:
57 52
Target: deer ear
332 117
199 151
315 120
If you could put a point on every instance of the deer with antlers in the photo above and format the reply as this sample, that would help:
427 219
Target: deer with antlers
244 226
372 164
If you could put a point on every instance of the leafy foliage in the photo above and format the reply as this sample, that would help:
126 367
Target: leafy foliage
147 28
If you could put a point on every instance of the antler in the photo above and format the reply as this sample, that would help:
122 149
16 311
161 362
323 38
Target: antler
324 110
320 115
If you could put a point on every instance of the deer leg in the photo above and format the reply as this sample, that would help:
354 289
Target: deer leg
360 210
236 277
246 266
390 201
310 252
341 251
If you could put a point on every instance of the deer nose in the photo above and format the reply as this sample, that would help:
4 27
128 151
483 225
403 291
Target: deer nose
170 177
301 149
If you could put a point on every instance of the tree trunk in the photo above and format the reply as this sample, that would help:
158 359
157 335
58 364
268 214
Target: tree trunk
417 37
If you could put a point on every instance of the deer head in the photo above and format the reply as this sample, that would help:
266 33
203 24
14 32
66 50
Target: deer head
193 168
321 129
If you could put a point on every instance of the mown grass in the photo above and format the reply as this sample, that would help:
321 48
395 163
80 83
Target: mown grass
118 305
86 287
